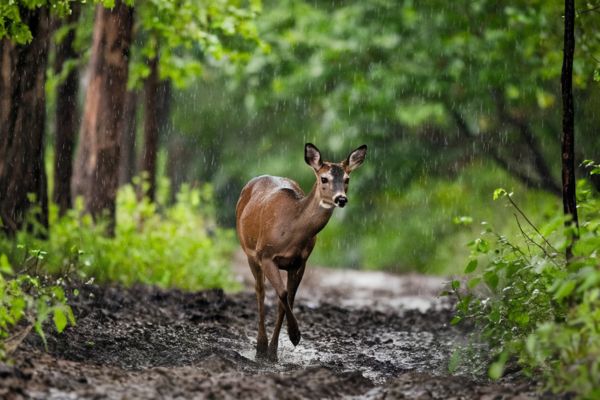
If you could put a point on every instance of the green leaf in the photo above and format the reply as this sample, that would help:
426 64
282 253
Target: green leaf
60 319
473 282
454 361
498 193
455 284
497 369
565 289
5 266
471 266
491 279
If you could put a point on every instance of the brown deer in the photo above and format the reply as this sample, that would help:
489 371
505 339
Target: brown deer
277 226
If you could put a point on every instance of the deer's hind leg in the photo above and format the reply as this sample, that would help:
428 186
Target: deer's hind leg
262 341
293 281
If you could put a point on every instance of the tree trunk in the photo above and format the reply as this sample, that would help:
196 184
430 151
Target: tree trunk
96 175
156 117
568 137
67 117
128 136
178 161
22 117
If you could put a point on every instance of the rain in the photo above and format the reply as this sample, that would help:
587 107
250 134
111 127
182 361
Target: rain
408 190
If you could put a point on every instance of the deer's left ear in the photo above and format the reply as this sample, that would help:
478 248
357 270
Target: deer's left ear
356 158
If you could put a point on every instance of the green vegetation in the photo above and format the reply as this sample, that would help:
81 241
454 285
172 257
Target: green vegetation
175 246
454 99
169 246
534 308
27 301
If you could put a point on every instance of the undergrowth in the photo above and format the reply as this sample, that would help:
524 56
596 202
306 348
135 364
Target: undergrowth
175 246
539 312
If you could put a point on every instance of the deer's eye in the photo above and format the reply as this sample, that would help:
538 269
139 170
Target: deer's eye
324 180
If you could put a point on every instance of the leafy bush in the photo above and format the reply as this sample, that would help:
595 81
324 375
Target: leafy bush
175 246
533 307
26 302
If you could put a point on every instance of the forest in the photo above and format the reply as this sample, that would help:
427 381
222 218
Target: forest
465 263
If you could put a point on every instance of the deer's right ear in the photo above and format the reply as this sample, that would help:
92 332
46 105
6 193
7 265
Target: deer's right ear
312 156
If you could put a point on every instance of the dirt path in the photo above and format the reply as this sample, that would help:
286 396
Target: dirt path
364 335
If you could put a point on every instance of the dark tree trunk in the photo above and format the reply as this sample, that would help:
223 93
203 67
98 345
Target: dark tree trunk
128 136
568 137
157 103
22 118
178 160
151 129
97 162
67 117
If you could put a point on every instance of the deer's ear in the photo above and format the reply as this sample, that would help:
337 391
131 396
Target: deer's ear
356 158
312 156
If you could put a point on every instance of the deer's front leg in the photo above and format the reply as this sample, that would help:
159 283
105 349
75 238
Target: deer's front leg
271 271
293 281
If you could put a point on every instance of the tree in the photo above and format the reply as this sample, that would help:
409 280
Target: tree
568 136
176 40
67 115
22 117
97 161
151 127
128 139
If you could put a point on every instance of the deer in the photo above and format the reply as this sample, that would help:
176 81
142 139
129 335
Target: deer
277 227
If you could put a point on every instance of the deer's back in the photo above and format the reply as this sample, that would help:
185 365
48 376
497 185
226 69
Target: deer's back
261 201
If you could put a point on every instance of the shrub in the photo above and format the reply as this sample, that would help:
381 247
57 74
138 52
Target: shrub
532 306
26 302
176 246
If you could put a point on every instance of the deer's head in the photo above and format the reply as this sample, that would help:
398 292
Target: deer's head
333 178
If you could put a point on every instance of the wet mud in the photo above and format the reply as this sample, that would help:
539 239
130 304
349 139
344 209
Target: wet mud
364 336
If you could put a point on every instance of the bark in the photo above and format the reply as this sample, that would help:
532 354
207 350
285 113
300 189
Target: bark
151 129
178 160
128 136
22 118
67 117
97 161
568 136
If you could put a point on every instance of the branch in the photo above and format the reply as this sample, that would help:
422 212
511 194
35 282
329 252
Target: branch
464 129
539 162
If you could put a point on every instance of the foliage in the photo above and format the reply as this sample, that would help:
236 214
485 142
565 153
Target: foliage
176 246
184 33
12 25
28 300
392 74
534 307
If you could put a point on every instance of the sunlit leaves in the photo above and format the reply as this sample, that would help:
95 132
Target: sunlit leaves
12 25
184 34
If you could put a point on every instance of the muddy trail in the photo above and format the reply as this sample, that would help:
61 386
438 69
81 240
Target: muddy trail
364 335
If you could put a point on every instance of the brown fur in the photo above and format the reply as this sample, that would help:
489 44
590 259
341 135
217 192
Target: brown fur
277 226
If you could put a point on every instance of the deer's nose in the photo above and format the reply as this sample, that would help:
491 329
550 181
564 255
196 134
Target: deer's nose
341 200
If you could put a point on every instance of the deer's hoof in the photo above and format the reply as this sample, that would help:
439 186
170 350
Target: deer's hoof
261 347
295 336
272 356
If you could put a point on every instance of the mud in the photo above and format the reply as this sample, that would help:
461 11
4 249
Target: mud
364 336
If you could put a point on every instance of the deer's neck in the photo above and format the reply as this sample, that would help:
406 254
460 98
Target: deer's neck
314 213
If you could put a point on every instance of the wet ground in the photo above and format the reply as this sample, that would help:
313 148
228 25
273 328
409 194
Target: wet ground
364 336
